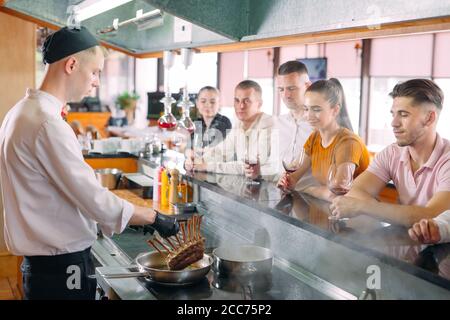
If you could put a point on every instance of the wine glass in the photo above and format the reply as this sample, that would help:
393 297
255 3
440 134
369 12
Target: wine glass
251 160
340 178
292 162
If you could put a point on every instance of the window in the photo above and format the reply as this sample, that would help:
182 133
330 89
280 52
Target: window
352 90
443 127
380 130
202 72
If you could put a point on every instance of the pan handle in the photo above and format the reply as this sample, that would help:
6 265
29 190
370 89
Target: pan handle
131 274
125 275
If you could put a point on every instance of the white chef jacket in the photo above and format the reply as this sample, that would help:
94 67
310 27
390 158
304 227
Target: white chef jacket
443 221
52 199
261 140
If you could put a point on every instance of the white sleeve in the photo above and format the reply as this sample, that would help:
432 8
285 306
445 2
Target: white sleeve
443 222
60 156
220 158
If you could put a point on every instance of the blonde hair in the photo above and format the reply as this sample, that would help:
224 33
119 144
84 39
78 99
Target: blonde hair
82 55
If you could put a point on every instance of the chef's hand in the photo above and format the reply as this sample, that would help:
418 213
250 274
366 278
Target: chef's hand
165 225
346 207
426 231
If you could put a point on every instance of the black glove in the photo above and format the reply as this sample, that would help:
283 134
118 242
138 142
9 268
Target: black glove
165 225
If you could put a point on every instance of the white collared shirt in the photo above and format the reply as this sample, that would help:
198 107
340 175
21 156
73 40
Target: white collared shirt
52 199
293 134
258 141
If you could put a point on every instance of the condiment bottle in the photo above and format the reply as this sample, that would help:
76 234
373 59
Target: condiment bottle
164 189
173 190
157 186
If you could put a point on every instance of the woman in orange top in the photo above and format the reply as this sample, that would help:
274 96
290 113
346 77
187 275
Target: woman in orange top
332 142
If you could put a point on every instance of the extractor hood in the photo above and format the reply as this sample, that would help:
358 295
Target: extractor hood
206 23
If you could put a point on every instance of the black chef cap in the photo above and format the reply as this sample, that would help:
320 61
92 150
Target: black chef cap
65 42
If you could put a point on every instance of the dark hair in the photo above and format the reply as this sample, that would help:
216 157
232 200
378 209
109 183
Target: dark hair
208 88
421 90
291 67
248 84
334 94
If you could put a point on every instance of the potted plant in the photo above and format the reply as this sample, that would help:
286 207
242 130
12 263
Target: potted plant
127 101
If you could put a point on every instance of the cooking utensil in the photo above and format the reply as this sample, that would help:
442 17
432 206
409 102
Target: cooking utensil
152 265
242 260
109 177
244 284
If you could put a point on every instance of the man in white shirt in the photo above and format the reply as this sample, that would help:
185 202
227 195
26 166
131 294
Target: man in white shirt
293 129
292 82
252 138
52 199
430 231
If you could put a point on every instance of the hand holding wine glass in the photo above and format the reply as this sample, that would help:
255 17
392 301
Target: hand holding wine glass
252 169
291 163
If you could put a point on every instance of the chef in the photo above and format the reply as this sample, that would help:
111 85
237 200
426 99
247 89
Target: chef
52 200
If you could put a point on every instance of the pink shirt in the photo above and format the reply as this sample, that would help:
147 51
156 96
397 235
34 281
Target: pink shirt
393 163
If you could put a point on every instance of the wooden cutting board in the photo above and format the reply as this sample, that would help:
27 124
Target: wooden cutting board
138 201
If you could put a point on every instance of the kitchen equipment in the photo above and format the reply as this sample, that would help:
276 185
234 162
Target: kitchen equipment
243 284
138 183
242 260
184 208
173 187
164 198
152 265
108 177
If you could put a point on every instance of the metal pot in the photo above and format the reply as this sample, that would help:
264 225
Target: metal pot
153 266
243 260
109 177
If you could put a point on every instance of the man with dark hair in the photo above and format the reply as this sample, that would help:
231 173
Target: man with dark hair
51 197
250 137
292 128
418 163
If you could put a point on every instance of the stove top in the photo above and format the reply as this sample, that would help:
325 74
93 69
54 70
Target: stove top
277 285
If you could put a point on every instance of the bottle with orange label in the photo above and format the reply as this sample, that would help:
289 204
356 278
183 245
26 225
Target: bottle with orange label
164 199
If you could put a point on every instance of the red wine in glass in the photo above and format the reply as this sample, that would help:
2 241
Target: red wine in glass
289 169
166 125
339 191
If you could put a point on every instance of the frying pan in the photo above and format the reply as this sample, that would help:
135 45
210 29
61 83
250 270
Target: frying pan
242 260
152 265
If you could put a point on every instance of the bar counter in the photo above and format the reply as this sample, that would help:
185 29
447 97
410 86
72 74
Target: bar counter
358 258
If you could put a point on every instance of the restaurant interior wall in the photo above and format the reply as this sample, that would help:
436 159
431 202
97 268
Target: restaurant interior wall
17 69
255 65
398 59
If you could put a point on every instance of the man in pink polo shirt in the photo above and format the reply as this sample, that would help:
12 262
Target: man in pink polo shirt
418 163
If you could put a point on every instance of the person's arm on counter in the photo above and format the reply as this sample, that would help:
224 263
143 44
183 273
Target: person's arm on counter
431 231
215 158
361 199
